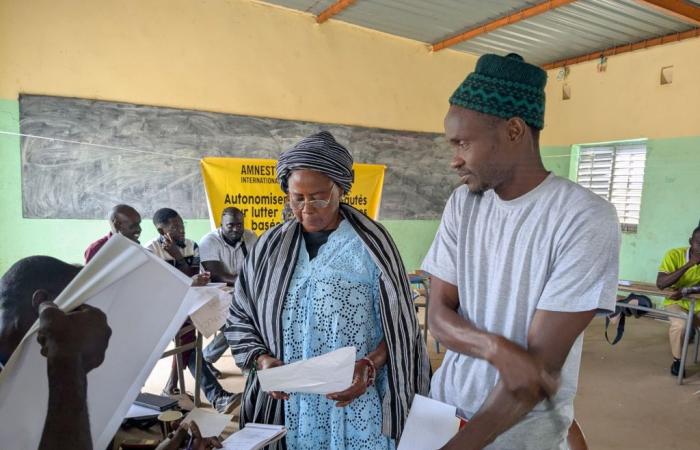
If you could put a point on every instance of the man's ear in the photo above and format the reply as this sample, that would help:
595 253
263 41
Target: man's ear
516 128
38 297
160 231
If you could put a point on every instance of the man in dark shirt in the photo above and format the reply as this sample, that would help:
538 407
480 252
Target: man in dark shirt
124 220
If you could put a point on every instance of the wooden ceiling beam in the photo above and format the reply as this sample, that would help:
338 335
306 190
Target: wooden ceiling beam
510 19
682 10
647 43
334 9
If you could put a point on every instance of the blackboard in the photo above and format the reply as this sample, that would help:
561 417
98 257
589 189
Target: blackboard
80 157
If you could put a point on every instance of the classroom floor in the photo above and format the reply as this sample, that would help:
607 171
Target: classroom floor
626 400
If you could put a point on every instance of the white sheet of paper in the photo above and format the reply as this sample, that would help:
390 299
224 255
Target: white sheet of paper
210 310
323 374
210 423
140 411
429 426
254 436
145 301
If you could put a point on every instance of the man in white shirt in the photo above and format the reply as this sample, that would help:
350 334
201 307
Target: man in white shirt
222 253
520 264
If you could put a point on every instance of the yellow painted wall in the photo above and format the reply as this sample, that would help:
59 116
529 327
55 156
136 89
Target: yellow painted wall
234 56
627 100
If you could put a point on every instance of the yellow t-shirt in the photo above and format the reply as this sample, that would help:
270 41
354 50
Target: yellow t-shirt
674 260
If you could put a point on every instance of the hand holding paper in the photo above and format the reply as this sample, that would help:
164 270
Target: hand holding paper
265 362
360 382
323 374
430 425
189 435
80 335
210 423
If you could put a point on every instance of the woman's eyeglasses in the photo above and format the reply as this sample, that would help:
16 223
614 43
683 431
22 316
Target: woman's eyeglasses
298 205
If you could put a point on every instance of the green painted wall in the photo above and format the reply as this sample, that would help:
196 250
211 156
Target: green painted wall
556 159
670 206
670 209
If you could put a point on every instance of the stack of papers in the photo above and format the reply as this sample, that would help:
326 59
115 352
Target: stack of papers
430 425
210 309
254 436
323 374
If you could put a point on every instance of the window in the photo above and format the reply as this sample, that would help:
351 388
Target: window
616 173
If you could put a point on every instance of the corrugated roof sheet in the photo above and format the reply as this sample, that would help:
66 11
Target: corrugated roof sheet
582 27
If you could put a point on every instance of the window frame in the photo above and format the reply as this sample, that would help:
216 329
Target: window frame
626 209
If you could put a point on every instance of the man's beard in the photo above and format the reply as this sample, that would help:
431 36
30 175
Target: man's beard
232 240
478 190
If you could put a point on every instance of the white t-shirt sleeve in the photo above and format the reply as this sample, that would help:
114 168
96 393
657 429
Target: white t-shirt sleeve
208 249
585 271
441 259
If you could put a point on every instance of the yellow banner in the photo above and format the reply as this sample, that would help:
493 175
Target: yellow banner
251 186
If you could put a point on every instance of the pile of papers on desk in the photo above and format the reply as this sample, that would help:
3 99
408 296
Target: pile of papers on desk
254 436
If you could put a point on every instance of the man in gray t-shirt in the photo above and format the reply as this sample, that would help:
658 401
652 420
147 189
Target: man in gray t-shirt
222 253
521 262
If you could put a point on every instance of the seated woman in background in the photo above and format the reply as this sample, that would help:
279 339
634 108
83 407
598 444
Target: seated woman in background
327 279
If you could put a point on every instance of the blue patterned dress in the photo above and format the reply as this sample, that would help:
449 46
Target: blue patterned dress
333 302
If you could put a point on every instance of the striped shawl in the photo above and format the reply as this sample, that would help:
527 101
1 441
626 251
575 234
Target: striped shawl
255 322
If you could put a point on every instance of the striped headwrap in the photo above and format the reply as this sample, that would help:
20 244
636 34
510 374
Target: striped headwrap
319 152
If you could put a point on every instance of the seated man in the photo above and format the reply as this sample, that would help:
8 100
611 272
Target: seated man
680 269
224 250
222 253
74 343
172 246
124 220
